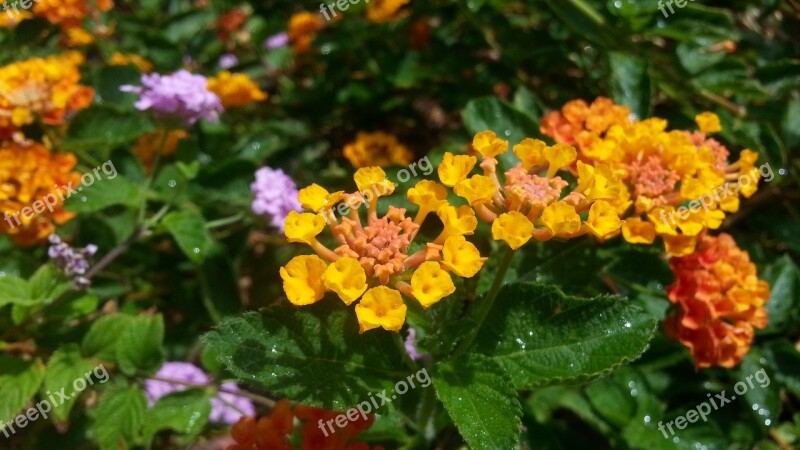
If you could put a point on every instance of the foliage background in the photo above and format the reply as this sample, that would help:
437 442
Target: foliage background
497 64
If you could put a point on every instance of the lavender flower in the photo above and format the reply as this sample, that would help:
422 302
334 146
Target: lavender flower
228 60
411 349
226 408
181 96
276 41
275 195
71 261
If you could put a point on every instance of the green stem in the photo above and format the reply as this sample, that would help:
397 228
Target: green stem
224 221
426 410
485 305
401 346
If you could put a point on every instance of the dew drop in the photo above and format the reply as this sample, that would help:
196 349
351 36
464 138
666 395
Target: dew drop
627 324
256 145
767 422
172 183
83 199
507 132
196 250
676 439
646 419
634 392
755 406
781 171
326 49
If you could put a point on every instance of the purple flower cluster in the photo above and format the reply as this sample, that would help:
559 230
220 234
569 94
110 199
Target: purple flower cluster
181 96
276 41
226 407
275 195
72 261
228 60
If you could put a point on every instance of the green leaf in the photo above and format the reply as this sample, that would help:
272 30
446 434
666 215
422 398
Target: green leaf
189 230
103 128
783 278
491 113
542 336
185 412
313 355
64 367
763 402
101 341
46 284
104 192
480 399
14 290
19 381
140 346
133 342
785 361
630 82
118 417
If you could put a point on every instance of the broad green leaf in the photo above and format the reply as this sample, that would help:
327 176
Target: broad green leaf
480 399
542 336
189 230
118 417
761 398
14 290
101 128
791 124
785 361
64 367
313 355
101 341
491 113
47 284
783 277
630 82
104 192
19 381
140 346
185 412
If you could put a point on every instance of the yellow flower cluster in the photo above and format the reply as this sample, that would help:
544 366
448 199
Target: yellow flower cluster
373 261
377 149
679 182
29 174
235 90
47 88
69 13
386 10
530 202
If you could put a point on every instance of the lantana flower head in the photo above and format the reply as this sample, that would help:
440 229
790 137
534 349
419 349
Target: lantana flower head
43 88
720 301
386 10
533 201
274 195
69 13
373 265
33 185
181 96
302 31
377 149
235 90
680 182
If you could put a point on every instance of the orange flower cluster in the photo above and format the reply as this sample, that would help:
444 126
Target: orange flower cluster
69 13
721 299
377 149
45 87
303 29
677 184
28 174
148 145
274 431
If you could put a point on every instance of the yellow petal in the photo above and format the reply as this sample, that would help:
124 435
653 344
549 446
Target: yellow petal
430 283
603 220
559 156
455 168
488 144
303 227
347 278
513 228
313 197
479 189
302 279
561 219
373 179
531 153
381 307
428 195
638 231
708 122
461 257
457 221
679 245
